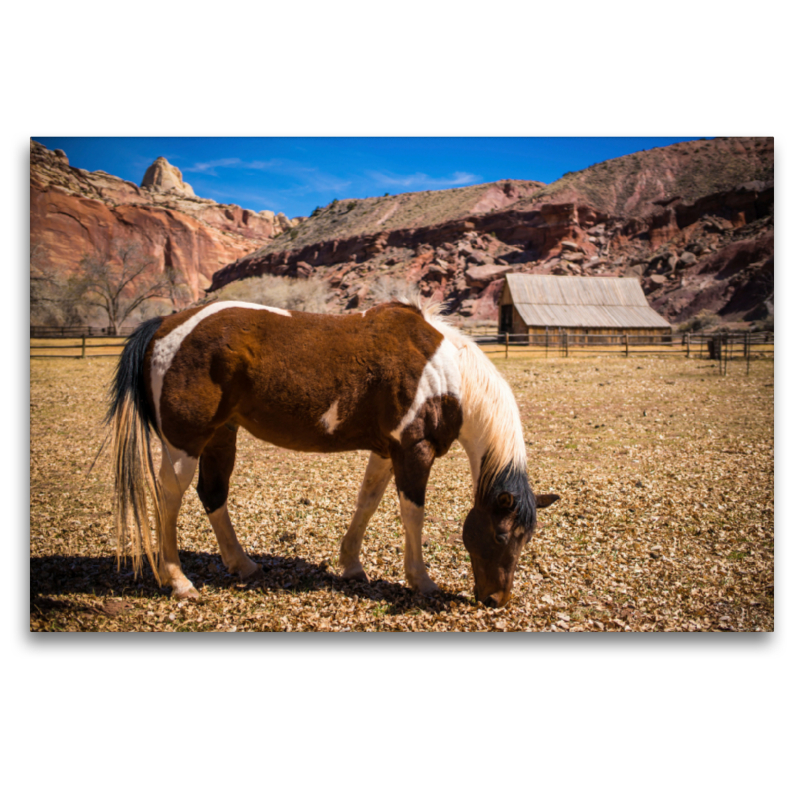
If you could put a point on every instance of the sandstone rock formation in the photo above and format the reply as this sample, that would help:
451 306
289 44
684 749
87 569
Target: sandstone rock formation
161 176
75 212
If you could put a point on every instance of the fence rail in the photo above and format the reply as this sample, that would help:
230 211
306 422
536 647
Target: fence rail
78 331
723 346
84 342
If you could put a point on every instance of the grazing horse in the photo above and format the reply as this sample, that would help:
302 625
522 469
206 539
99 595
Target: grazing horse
394 380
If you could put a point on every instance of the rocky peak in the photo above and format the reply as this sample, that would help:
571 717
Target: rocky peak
163 177
73 212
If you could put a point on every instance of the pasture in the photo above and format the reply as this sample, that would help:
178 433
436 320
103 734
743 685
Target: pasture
664 467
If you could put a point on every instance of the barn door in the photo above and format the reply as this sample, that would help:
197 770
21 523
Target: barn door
506 319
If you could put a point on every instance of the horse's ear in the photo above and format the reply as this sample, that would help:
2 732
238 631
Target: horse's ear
544 500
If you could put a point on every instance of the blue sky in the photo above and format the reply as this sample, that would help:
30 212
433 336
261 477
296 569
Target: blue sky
294 175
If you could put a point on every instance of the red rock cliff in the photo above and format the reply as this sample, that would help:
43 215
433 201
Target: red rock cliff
74 212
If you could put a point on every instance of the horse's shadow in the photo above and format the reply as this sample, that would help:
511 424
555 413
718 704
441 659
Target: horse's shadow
65 575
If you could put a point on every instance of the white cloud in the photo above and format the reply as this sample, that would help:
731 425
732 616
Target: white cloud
308 178
420 180
209 167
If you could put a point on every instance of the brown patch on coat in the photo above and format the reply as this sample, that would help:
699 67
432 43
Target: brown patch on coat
277 376
427 437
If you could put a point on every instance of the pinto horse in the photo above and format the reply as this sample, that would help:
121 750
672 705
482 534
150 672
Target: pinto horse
394 380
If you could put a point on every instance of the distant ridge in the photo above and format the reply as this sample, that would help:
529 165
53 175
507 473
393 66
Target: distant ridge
664 216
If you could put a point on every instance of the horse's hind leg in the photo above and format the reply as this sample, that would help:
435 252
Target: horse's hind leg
175 476
216 467
379 471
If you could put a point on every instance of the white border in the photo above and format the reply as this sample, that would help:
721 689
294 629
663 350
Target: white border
623 716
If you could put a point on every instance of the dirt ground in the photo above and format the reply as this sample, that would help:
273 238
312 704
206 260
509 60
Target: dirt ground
665 523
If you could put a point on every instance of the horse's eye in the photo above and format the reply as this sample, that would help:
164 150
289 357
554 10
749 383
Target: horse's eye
506 500
501 538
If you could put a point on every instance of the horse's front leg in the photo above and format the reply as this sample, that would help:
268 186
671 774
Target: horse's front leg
412 467
379 471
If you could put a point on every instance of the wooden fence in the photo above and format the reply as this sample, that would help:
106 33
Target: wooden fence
76 346
723 347
77 331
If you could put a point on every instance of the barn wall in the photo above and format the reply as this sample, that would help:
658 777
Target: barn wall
519 325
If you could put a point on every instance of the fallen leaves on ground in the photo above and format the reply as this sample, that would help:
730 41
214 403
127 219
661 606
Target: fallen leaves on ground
664 468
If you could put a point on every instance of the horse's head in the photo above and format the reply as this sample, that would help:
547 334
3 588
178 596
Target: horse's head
499 525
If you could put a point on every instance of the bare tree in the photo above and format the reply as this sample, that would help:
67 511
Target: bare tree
51 301
119 278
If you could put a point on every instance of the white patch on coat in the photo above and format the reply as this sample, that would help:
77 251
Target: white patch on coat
330 419
177 470
233 555
440 377
175 476
165 349
492 426
417 576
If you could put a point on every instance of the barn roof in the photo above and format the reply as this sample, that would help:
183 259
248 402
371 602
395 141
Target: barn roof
565 301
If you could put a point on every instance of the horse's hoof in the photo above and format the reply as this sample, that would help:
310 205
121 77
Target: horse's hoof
186 593
355 573
425 587
255 576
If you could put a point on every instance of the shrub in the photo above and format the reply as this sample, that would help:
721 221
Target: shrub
767 324
293 294
388 288
699 322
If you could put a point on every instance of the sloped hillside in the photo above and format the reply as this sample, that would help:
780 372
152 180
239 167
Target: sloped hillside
350 218
637 184
681 218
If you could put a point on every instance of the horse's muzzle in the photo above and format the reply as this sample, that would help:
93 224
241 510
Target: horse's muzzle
494 600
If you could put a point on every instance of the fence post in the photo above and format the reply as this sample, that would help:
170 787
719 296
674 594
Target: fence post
83 346
626 345
506 344
747 349
546 342
566 344
726 354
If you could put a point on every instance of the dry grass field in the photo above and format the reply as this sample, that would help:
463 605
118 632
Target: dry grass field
665 470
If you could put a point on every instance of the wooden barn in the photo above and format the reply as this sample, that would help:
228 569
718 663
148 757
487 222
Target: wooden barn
549 304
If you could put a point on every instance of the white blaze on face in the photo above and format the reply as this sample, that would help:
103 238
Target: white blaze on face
441 376
165 349
330 419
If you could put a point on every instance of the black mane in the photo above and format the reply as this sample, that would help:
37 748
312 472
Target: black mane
513 480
